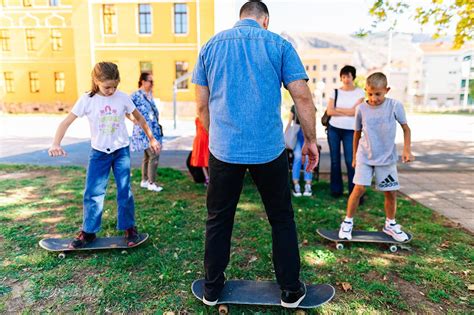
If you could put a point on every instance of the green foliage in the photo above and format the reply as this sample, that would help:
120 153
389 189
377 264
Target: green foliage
439 13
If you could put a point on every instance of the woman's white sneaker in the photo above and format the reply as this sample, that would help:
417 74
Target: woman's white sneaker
144 184
154 187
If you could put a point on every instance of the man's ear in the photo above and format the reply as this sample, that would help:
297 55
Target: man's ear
266 21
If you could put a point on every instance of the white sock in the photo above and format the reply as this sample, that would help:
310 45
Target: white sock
349 220
391 222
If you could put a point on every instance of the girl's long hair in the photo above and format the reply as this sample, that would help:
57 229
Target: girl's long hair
103 71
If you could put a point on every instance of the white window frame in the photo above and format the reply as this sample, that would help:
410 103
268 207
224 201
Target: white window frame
173 20
137 14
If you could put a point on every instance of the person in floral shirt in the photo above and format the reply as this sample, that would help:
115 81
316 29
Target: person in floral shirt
143 100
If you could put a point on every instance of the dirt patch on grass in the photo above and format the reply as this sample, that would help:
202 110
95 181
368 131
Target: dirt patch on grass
414 297
16 300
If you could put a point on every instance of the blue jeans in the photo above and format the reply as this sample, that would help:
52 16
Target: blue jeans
335 137
296 170
96 184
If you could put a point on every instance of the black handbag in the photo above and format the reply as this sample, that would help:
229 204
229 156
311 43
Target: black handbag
325 119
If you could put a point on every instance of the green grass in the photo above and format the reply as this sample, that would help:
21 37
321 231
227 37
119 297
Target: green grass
156 277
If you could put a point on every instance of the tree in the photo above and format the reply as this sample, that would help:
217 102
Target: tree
439 13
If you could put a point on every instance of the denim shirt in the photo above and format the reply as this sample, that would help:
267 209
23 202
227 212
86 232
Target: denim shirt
244 68
148 109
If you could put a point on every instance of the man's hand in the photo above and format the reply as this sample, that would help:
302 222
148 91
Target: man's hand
155 146
56 150
311 151
407 156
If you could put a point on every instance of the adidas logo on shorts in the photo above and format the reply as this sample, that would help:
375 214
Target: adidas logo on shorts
388 182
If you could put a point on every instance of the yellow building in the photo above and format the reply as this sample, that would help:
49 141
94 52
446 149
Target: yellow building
48 47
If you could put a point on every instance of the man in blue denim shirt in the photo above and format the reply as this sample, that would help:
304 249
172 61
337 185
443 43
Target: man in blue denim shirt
238 78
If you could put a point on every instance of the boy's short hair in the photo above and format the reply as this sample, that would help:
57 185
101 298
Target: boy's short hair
377 79
348 69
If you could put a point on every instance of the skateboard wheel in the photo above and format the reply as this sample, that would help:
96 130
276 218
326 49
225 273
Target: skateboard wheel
339 246
223 309
393 248
61 255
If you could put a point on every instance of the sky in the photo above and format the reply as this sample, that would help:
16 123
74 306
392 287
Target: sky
331 16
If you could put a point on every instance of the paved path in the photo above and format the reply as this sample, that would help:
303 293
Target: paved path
441 178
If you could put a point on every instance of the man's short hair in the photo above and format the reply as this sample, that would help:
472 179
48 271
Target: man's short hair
255 8
377 79
348 69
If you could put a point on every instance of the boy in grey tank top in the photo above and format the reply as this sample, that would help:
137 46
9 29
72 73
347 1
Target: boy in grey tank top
375 153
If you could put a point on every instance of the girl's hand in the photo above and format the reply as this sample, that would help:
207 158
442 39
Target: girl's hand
155 146
354 162
56 150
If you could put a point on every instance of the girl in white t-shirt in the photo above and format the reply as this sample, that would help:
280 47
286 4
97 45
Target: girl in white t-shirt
106 108
341 128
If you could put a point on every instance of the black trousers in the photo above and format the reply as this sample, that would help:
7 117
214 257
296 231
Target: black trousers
223 193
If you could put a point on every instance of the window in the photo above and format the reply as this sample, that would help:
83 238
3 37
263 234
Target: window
146 66
306 67
30 39
56 40
34 82
109 18
314 67
8 76
334 80
59 82
27 3
144 18
325 67
314 80
53 3
334 67
181 69
180 18
324 80
5 40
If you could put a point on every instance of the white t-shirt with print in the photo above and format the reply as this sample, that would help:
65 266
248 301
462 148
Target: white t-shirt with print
345 99
106 116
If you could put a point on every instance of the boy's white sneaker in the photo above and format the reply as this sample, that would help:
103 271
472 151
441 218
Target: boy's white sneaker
154 187
395 231
345 231
307 190
144 184
297 190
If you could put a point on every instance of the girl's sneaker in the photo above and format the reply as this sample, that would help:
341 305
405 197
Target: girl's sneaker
154 187
132 236
395 231
307 190
144 184
297 190
82 239
346 230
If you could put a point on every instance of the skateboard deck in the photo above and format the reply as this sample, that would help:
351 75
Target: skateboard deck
265 293
362 237
114 242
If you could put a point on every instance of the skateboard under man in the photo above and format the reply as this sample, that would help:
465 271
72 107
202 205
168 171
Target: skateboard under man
264 293
363 237
61 244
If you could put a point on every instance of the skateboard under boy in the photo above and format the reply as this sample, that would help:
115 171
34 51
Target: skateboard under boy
363 237
61 244
263 293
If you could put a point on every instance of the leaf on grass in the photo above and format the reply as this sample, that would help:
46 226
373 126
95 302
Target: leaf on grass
305 242
422 293
384 278
346 286
345 260
470 287
445 244
252 259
